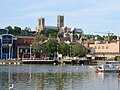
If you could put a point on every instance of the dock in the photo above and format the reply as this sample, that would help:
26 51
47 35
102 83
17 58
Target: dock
45 61
10 62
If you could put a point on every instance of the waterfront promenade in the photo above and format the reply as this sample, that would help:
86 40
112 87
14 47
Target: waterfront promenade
44 61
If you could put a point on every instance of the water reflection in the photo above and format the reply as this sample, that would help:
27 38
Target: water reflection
56 78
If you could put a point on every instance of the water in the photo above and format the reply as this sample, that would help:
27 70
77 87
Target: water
45 77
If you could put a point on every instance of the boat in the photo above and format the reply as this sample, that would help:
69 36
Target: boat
108 68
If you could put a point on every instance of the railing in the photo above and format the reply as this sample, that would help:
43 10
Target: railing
29 59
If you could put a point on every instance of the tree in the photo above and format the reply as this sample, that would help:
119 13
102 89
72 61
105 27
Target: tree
10 29
39 38
63 48
50 33
51 46
24 33
38 49
17 30
27 29
78 50
38 45
51 49
100 38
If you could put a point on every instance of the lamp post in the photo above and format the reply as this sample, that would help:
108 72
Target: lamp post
57 52
70 51
30 50
9 50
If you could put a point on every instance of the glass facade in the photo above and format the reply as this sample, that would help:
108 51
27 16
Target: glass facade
6 45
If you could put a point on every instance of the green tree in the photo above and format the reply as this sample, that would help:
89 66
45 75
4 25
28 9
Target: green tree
78 50
27 29
10 29
89 36
24 33
38 46
38 49
39 38
63 48
100 38
17 30
50 33
51 46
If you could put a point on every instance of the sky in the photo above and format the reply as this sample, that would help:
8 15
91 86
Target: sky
92 16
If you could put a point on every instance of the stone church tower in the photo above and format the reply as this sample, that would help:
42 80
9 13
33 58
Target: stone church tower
41 25
60 21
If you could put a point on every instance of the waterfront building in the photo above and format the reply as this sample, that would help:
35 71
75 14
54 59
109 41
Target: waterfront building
14 46
24 46
7 45
106 50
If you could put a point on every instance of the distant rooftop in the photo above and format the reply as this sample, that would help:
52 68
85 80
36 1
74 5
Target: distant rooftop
68 29
51 27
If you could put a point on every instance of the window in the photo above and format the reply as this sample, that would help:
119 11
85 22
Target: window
106 47
21 50
102 47
95 47
98 47
26 50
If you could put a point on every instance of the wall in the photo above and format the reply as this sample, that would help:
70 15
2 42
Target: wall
106 48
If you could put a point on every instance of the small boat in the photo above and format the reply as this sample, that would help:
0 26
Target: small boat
108 68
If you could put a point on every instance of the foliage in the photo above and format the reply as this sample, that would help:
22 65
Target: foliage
89 36
100 38
24 33
60 35
50 33
39 38
17 31
38 46
63 48
118 58
78 50
51 46
38 49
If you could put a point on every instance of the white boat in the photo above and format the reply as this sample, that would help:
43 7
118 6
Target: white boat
108 68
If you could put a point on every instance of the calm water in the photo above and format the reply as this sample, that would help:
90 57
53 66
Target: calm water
44 77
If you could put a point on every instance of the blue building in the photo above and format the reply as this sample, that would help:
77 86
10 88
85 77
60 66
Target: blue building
7 45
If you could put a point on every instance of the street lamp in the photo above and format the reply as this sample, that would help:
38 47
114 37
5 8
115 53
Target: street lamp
70 50
57 52
9 50
30 50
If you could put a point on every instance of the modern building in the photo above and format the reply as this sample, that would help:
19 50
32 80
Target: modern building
7 45
14 46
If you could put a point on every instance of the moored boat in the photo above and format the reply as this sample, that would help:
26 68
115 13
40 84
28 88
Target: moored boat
108 68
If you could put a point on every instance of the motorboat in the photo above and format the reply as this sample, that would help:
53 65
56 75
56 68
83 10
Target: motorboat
108 68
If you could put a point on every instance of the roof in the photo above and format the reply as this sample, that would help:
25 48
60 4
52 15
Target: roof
24 37
3 31
51 27
7 35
